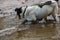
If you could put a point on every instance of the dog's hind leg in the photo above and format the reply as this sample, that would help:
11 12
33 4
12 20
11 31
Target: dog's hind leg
54 16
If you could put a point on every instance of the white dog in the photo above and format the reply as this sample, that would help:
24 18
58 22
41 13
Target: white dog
32 13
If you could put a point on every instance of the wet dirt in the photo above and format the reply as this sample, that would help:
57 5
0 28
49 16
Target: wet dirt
46 31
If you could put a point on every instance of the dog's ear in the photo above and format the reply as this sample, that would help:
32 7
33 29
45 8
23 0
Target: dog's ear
20 9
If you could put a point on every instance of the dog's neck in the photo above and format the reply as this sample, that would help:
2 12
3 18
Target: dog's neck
23 11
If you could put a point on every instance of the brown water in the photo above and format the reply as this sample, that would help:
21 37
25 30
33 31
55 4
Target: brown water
35 32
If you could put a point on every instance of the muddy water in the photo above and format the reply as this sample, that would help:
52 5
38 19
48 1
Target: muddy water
46 31
35 32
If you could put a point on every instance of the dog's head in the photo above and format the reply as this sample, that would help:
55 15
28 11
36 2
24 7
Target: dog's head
19 11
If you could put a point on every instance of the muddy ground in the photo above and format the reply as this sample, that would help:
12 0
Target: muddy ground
47 31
